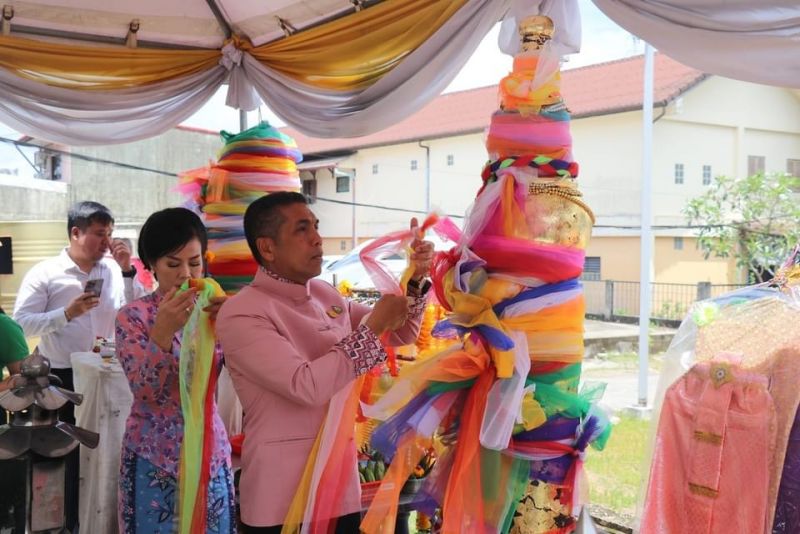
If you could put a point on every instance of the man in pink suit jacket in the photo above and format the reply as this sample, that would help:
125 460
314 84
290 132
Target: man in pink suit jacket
291 343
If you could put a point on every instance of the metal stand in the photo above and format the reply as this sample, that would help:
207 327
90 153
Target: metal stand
33 446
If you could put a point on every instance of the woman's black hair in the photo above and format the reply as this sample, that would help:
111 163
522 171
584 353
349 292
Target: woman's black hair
169 230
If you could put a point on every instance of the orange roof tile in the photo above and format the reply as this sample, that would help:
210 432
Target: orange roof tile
599 89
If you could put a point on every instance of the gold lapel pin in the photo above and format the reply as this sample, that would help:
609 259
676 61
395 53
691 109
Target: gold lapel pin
334 312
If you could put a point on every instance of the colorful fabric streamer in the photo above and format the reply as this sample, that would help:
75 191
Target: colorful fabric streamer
197 386
253 163
510 388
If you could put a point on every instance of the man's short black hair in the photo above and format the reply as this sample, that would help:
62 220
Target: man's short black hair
169 230
82 214
263 218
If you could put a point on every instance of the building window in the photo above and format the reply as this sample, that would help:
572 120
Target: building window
591 268
374 168
343 184
343 245
755 164
310 190
450 160
793 167
706 174
677 243
413 165
679 173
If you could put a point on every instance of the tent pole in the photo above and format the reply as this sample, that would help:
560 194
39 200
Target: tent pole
646 235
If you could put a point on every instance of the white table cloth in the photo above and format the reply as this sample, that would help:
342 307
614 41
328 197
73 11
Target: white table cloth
107 401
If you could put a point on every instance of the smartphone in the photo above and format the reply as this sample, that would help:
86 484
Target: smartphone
94 286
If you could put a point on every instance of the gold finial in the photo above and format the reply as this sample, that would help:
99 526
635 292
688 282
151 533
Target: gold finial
535 31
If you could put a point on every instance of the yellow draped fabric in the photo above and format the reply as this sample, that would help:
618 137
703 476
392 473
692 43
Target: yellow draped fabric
356 51
346 54
99 68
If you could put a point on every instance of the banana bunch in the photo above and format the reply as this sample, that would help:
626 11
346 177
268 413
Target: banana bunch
371 471
371 466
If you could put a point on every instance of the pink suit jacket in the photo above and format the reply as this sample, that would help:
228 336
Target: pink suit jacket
278 340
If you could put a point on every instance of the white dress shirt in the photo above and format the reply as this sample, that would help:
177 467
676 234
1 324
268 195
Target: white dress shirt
47 290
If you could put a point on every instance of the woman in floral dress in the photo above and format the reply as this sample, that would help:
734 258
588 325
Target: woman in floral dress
172 244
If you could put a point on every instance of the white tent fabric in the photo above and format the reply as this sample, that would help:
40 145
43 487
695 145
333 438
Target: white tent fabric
83 118
416 81
186 23
77 118
757 41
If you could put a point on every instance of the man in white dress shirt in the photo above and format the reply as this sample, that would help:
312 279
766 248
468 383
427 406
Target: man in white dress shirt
52 302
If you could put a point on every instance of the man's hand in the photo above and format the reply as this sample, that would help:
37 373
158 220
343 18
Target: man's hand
173 312
81 304
389 313
214 304
122 254
421 253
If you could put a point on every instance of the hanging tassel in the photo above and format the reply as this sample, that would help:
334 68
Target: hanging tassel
8 14
133 29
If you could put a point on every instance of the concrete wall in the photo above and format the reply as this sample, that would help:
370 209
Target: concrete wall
132 195
31 199
34 212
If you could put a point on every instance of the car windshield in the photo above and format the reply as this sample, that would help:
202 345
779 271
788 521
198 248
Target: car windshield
353 257
350 269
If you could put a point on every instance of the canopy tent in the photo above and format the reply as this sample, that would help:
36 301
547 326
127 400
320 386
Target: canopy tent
330 68
756 41
327 67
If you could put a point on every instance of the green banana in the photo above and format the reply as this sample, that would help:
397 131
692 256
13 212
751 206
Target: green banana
369 473
380 470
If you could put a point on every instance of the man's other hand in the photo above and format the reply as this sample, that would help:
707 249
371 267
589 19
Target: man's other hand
81 304
389 313
121 254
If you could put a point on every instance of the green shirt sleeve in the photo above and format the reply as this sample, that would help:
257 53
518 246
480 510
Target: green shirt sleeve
13 346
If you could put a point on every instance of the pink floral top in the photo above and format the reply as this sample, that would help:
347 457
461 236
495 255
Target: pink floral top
154 429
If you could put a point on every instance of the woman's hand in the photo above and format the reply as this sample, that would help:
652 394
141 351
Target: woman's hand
173 312
214 304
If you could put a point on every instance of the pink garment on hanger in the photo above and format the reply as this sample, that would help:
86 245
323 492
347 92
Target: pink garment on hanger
710 469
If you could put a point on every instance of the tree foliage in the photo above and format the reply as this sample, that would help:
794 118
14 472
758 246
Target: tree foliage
755 220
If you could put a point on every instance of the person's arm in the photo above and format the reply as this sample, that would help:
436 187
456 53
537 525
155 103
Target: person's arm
133 289
255 349
146 365
13 347
30 309
408 332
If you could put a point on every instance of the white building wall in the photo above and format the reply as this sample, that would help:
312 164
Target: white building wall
607 149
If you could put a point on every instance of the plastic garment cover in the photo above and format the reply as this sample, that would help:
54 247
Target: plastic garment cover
753 329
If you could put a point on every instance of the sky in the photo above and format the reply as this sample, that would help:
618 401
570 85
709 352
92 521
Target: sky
603 41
